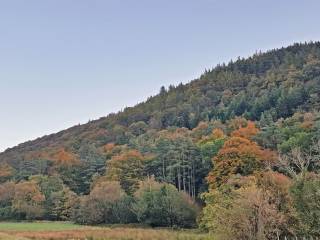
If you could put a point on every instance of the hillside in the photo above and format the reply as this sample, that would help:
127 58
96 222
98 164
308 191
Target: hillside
244 136
278 82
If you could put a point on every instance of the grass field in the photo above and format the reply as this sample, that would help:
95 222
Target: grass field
37 226
66 231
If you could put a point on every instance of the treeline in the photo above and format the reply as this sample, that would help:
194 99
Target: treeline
47 198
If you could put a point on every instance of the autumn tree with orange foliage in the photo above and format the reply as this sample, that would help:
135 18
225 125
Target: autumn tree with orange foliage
247 132
247 200
6 171
65 158
239 155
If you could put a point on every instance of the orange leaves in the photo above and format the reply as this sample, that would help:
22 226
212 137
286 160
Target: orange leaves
308 121
217 133
7 192
28 200
28 191
247 189
5 170
239 147
246 132
64 158
131 154
37 155
239 155
60 156
108 147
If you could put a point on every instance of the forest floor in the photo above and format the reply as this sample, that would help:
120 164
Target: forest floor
66 231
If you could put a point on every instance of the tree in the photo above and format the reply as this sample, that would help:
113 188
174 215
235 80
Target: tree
65 158
49 185
163 205
87 212
177 161
300 139
138 128
28 200
63 203
7 192
128 169
77 170
163 91
250 208
6 172
99 207
237 156
107 195
247 132
297 162
209 148
306 199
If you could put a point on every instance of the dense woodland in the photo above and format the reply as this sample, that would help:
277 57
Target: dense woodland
235 152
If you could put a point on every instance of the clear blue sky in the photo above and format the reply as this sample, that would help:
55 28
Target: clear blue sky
63 62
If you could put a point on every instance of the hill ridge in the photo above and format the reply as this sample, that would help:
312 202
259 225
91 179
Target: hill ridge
231 78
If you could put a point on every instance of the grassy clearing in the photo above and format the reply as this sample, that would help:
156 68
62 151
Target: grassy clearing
64 231
38 226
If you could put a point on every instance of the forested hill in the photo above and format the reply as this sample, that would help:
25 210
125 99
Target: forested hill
241 144
277 83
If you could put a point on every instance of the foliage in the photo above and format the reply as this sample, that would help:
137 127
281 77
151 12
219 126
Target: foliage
306 197
7 193
239 155
127 168
28 200
102 205
163 205
255 210
178 161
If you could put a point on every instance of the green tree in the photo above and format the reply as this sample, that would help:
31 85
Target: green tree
306 195
63 203
7 192
128 169
101 205
163 205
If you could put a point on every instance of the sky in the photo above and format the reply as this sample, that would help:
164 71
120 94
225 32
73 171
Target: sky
64 62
